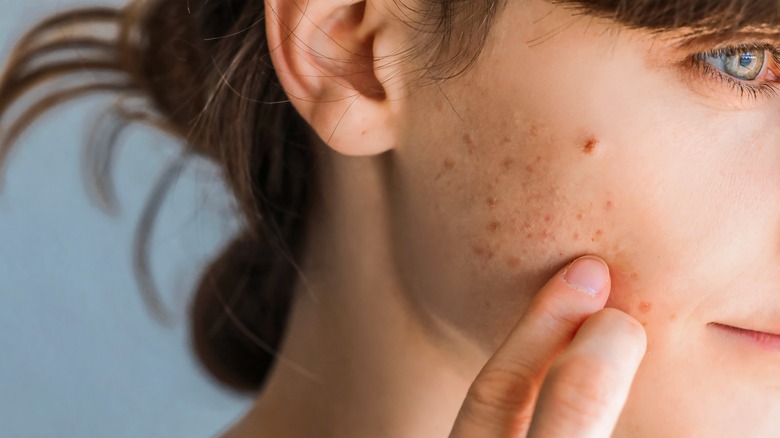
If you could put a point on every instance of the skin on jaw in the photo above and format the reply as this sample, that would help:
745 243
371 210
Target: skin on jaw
572 136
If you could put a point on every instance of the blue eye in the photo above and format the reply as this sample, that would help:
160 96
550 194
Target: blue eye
745 65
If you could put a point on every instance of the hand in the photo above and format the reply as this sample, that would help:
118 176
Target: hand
566 368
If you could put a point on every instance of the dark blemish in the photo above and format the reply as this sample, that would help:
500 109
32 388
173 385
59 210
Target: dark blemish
645 307
449 164
538 159
492 202
590 146
597 236
513 262
483 252
467 139
507 163
364 133
579 216
547 218
507 140
494 226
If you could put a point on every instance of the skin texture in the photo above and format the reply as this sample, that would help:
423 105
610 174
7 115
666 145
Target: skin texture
569 136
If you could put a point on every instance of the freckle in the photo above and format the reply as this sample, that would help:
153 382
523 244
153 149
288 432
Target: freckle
492 202
364 133
645 307
449 164
494 226
483 252
513 262
590 146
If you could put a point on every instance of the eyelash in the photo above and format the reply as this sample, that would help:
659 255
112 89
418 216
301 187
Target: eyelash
752 90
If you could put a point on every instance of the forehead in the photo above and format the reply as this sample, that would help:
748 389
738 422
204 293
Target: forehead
700 15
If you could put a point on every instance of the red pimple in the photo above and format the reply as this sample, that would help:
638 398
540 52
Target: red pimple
494 226
645 307
608 205
590 145
547 218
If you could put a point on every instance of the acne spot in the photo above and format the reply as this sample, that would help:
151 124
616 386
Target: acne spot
576 236
483 252
492 202
645 306
548 218
449 164
494 226
608 206
590 145
535 128
597 235
529 169
507 164
634 276
513 262
579 216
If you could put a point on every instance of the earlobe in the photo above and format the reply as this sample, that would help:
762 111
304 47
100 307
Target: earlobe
323 53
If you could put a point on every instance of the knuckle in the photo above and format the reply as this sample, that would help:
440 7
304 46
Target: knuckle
500 393
582 389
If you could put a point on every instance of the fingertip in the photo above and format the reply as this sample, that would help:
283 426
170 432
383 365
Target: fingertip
588 274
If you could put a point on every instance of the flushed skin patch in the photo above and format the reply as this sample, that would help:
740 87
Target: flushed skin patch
677 188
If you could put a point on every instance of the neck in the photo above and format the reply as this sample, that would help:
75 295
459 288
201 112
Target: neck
359 358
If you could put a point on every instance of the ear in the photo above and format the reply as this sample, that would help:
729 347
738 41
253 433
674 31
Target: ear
325 53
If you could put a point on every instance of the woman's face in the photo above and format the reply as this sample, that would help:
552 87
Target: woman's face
572 135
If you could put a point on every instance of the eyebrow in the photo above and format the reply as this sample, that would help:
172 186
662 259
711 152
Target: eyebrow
711 17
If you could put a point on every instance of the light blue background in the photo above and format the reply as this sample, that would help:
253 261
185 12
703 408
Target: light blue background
80 355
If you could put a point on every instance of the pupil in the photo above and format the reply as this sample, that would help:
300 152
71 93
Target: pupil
747 59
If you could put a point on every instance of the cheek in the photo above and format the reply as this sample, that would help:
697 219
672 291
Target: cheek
532 211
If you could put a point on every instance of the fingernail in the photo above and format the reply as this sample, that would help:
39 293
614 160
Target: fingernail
587 274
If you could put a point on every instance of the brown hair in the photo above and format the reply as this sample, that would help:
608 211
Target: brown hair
205 74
